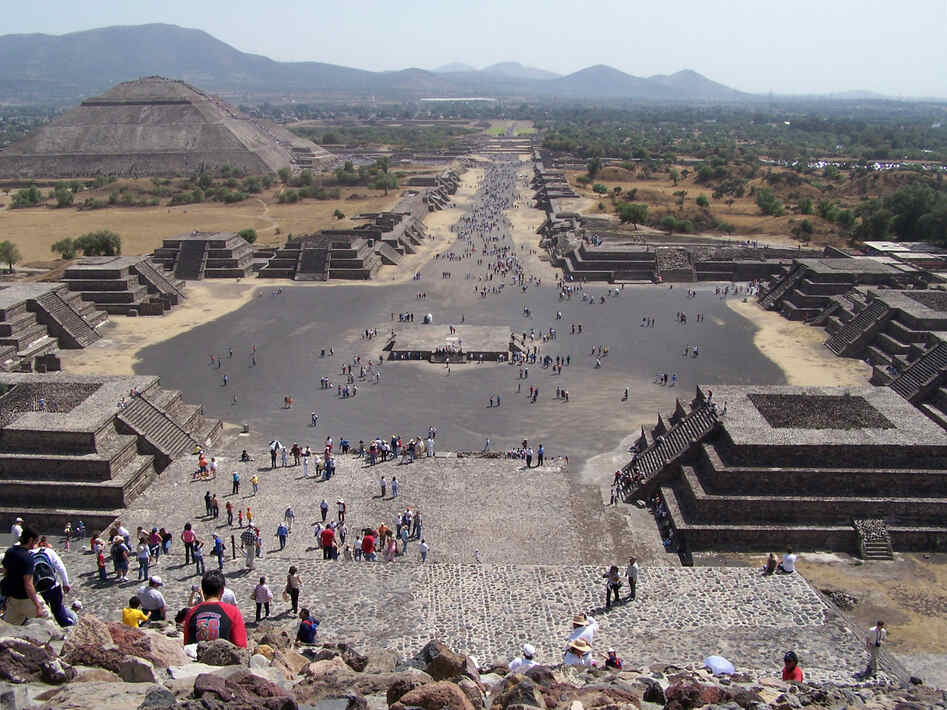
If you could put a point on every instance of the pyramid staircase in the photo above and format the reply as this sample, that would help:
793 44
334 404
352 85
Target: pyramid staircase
772 298
925 372
851 338
192 258
71 328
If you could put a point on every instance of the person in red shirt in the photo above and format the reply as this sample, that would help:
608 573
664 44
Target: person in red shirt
368 547
213 619
327 537
791 669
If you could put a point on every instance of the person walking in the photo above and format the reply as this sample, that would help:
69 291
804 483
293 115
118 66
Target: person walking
384 486
229 508
423 550
236 484
218 551
340 504
394 487
262 596
289 516
248 546
188 537
874 640
631 574
197 554
324 509
612 585
293 585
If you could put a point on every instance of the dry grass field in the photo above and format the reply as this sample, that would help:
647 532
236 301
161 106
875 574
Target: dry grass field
142 229
657 191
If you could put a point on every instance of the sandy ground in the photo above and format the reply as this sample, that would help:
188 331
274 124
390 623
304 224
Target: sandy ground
798 350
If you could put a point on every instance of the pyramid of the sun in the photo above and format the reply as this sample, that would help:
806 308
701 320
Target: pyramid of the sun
156 126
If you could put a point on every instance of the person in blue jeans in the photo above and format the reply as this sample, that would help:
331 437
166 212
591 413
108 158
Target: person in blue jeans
197 553
219 551
281 532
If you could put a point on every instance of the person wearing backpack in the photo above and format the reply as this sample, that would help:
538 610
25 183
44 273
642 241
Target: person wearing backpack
51 580
22 599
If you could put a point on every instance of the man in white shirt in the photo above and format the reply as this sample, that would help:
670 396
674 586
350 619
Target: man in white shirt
873 642
583 627
16 530
54 595
631 573
153 600
523 663
788 565
578 653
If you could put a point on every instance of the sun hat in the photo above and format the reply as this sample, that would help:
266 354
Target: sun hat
580 646
529 650
580 619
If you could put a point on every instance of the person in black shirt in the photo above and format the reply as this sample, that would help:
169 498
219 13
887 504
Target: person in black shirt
23 603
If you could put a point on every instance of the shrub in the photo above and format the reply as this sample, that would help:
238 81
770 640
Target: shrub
248 234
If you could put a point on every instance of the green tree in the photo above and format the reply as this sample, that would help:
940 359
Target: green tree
635 213
205 180
63 196
594 166
674 175
248 234
9 254
283 174
66 248
27 197
385 181
101 243
702 201
383 163
599 189
338 214
805 205
669 223
768 204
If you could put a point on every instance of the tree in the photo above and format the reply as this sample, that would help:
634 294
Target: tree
338 214
616 190
383 163
675 176
66 248
63 196
681 195
632 212
599 189
205 180
594 166
669 223
283 174
702 201
9 254
385 181
27 197
248 234
805 205
101 243
768 204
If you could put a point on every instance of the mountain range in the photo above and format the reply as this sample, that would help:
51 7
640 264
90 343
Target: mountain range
38 68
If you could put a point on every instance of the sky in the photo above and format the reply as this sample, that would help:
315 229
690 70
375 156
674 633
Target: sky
788 47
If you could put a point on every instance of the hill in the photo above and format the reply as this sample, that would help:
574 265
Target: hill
36 68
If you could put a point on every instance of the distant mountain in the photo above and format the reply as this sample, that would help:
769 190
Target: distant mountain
39 68
454 68
515 70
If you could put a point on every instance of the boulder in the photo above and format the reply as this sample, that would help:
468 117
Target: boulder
158 699
445 664
156 647
351 701
686 694
90 631
221 652
403 685
441 695
653 692
516 689
264 650
282 637
39 630
331 682
91 654
541 675
474 692
353 659
137 670
107 696
294 662
23 661
94 675
241 689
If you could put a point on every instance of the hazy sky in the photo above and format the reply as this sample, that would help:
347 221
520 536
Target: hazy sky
793 46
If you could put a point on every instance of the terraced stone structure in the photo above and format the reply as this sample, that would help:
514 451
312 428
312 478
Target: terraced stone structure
759 468
157 126
435 343
36 319
80 447
129 285
205 255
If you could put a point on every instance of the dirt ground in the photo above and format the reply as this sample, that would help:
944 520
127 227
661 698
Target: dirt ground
142 229
799 351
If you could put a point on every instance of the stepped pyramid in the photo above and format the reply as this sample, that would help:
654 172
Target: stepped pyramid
156 126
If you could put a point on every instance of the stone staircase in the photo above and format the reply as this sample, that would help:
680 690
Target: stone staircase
847 340
912 383
159 281
192 257
771 299
148 421
75 330
874 542
313 265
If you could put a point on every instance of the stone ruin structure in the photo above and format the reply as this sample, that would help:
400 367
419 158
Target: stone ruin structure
157 127
383 239
762 467
37 319
89 444
129 285
205 255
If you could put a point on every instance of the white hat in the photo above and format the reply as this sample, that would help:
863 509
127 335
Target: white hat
155 581
19 520
528 650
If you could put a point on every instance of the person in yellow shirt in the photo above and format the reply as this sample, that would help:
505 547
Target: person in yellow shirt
132 615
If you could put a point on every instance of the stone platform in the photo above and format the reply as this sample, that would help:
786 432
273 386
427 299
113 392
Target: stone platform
469 343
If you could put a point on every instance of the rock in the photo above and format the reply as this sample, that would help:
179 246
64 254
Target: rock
107 696
151 645
190 670
295 662
264 650
653 692
94 675
137 670
403 685
517 689
39 630
328 667
90 631
23 661
259 661
445 664
90 654
158 699
355 660
352 701
240 689
490 679
380 660
14 697
687 694
473 692
434 696
541 675
221 652
279 638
